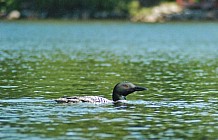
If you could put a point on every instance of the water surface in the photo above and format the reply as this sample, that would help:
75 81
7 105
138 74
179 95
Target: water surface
41 61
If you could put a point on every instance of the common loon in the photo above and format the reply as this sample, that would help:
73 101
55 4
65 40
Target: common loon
120 91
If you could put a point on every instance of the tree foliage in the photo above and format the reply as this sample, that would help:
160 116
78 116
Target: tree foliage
58 8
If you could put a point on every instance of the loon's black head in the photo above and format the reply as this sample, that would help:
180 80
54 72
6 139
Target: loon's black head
121 90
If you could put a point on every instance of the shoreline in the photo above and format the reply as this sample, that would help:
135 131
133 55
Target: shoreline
164 12
106 21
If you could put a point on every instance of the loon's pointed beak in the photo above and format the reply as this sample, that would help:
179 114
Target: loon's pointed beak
138 88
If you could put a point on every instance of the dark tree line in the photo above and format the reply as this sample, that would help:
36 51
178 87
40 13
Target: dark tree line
73 8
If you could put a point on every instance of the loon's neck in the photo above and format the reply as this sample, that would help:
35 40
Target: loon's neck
117 97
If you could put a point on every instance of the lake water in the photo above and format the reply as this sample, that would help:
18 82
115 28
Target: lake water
41 61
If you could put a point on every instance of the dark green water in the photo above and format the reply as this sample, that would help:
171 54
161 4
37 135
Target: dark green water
41 61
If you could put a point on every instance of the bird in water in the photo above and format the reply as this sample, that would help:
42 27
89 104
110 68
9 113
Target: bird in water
120 91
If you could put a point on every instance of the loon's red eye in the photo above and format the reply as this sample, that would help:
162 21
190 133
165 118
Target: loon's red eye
125 86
